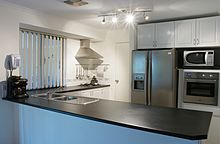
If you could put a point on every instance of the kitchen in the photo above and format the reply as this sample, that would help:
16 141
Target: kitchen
22 16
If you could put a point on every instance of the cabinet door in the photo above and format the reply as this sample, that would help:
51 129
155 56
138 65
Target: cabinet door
145 36
96 93
105 94
206 31
86 93
74 93
164 35
185 33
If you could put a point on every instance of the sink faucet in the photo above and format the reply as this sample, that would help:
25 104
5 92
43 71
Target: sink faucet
52 91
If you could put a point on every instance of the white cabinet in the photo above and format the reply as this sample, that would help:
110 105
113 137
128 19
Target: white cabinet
96 93
74 93
185 33
164 35
206 31
105 94
160 35
86 93
145 36
102 93
197 32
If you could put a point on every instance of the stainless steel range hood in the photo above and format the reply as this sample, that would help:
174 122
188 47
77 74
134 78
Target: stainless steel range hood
87 57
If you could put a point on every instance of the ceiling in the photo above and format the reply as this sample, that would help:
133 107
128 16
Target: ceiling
162 9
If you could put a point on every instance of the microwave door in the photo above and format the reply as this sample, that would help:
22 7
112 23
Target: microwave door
195 58
199 58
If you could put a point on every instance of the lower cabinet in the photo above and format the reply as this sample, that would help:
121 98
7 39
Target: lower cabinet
101 93
214 131
75 93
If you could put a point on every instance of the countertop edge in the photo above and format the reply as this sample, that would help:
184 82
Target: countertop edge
197 137
84 88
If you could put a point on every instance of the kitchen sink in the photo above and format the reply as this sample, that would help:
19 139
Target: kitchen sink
75 100
43 95
59 97
65 98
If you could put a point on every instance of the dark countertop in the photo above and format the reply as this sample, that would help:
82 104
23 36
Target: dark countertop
187 124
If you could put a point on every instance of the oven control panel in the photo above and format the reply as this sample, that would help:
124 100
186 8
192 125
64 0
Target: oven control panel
201 75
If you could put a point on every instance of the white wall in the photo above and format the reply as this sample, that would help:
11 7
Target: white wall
107 49
10 17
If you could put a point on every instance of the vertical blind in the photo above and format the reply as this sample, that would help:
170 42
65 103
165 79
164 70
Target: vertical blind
41 59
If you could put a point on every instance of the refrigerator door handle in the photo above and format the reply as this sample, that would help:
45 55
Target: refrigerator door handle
149 79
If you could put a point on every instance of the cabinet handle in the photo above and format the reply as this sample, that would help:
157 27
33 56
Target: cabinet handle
155 43
197 41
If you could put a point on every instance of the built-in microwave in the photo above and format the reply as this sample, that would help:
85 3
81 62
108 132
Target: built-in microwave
198 58
201 87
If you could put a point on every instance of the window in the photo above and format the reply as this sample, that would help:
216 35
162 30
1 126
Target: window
41 59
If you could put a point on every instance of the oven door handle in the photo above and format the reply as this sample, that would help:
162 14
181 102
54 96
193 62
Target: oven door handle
201 81
206 58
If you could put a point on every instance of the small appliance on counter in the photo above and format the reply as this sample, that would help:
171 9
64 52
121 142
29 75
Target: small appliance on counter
94 81
16 85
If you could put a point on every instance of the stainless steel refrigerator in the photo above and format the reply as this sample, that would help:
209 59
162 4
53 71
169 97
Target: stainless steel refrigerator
154 78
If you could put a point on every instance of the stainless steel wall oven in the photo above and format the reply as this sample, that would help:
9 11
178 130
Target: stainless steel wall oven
201 87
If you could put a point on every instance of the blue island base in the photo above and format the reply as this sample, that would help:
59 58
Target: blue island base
38 126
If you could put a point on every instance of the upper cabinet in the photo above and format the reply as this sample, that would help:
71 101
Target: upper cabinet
197 32
164 35
160 35
201 32
145 36
206 31
185 33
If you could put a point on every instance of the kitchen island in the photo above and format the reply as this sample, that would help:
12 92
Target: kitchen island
45 121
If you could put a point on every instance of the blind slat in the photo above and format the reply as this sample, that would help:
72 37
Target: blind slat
58 62
34 41
43 61
50 72
55 62
25 56
22 52
46 67
29 66
61 62
39 61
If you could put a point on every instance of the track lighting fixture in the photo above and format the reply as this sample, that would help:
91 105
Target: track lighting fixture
129 18
146 17
127 15
114 19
